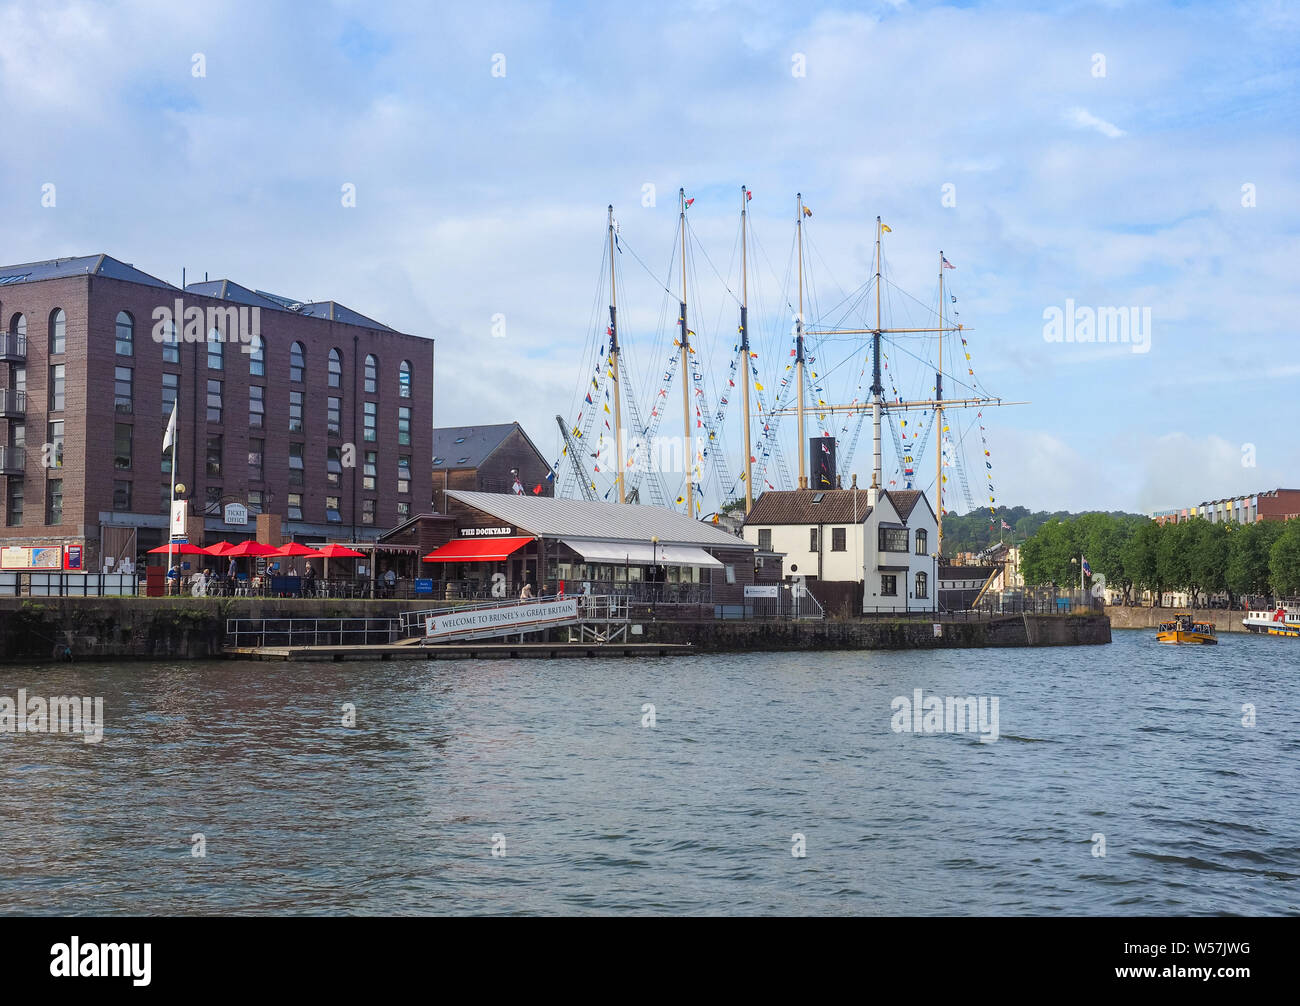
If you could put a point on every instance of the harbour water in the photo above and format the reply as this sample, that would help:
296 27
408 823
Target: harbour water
552 765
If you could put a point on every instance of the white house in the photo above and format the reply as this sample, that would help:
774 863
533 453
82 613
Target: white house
882 540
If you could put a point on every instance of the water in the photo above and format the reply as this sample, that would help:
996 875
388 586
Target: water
1141 743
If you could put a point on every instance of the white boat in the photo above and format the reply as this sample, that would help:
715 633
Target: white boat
1284 620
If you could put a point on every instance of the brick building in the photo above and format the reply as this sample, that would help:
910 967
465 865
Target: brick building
307 410
488 459
1269 504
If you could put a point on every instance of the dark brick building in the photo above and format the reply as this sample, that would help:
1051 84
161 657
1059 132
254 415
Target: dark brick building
487 459
307 410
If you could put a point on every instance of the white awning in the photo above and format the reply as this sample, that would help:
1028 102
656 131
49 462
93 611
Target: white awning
639 554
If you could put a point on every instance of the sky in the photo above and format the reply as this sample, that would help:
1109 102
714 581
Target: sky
1105 155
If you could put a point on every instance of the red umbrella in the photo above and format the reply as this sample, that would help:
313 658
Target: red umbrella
220 548
251 548
179 548
336 551
293 548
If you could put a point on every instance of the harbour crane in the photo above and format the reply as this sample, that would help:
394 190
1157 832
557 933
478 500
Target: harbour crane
585 485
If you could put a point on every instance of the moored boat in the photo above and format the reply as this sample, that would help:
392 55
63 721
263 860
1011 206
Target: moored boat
1182 629
1284 620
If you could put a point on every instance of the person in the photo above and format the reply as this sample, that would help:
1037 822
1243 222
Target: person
232 573
390 581
174 578
527 593
308 580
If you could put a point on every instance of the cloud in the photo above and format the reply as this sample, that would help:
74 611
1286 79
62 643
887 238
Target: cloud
1083 119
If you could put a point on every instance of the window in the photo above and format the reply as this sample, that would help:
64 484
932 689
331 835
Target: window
255 501
888 585
372 375
335 369
122 445
838 539
256 357
214 401
922 585
170 385
214 455
404 474
403 511
165 498
730 574
18 325
333 466
812 539
256 458
56 387
54 501
212 500
367 511
19 373
437 460
216 351
922 545
167 462
765 539
893 539
58 331
370 471
125 334
121 495
256 406
334 417
404 379
296 466
404 425
17 434
294 506
295 412
171 349
371 418
332 510
54 437
14 508
297 363
123 396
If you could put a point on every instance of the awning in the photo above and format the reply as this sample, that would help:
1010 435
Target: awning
642 554
478 549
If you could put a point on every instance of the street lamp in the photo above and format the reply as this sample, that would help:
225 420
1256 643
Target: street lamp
654 571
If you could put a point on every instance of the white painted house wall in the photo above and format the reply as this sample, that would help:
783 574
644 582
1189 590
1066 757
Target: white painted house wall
906 600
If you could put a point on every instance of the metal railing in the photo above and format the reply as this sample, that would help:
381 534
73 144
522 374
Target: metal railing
13 402
13 460
13 346
246 632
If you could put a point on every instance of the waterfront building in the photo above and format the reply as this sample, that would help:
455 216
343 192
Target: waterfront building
499 458
504 540
882 540
306 410
1271 504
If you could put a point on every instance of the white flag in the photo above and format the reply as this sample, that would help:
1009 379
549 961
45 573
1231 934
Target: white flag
170 436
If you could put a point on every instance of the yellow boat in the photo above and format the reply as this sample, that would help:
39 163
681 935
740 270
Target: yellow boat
1183 630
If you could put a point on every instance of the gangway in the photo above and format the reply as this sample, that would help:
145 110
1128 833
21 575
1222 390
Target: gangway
588 619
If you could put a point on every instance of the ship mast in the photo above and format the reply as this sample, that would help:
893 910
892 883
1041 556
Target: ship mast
877 389
686 373
744 341
798 341
619 446
938 422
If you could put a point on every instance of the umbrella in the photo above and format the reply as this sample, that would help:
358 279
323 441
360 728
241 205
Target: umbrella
294 548
179 548
336 551
249 548
220 548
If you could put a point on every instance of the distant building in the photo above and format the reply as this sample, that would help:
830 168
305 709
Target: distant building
1273 504
960 586
880 540
498 458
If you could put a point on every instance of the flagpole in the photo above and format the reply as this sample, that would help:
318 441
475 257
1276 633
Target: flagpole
171 545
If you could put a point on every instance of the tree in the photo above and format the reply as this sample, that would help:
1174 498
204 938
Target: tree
1141 558
1207 558
1248 556
1284 561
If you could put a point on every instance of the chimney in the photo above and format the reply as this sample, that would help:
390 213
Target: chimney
839 481
854 484
873 494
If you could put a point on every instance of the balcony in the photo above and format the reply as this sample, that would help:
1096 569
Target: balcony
13 403
13 461
13 348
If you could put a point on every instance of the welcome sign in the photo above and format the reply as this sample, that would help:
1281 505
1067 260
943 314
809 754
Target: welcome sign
501 621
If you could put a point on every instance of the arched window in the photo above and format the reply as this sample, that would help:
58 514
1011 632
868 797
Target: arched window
18 325
216 350
125 334
58 331
256 357
404 379
372 375
922 585
336 369
922 542
297 363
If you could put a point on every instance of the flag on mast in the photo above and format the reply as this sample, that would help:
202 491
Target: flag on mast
170 437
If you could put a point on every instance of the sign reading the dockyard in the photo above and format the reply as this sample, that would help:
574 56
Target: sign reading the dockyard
501 621
486 532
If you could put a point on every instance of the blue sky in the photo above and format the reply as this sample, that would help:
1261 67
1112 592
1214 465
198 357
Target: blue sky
480 195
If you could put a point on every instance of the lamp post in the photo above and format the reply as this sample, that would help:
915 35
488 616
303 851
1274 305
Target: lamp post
654 571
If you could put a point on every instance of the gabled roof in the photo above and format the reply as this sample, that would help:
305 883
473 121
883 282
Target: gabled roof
224 289
809 506
564 518
469 446
327 310
904 501
83 265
